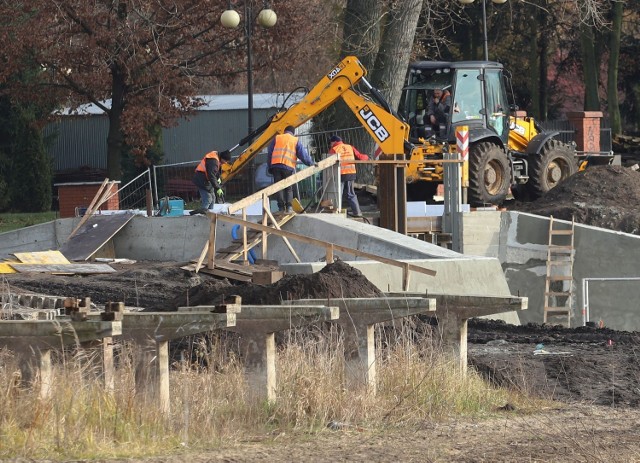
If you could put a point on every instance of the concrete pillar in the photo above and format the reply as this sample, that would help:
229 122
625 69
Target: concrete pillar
259 366
587 124
360 356
108 368
162 367
453 331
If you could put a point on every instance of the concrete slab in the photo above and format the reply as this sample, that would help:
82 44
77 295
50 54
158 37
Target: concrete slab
341 230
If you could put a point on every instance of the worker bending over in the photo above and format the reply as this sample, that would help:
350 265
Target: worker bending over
206 177
284 151
347 153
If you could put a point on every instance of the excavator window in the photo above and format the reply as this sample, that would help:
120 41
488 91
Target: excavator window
416 100
467 99
497 107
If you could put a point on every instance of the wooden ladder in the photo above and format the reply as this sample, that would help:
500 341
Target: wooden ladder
559 279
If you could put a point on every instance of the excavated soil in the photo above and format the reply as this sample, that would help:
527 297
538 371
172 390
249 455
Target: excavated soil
602 196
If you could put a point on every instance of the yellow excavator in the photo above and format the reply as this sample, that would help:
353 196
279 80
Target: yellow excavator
504 150
381 122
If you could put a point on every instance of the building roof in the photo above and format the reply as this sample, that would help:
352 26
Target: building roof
211 103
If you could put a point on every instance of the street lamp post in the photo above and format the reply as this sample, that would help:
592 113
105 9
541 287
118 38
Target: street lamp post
484 21
231 19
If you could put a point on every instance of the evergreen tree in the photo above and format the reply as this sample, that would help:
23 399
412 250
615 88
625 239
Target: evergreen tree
31 177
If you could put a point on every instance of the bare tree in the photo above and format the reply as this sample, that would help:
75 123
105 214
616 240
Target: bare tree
148 57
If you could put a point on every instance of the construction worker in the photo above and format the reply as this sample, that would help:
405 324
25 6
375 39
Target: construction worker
206 177
284 151
347 153
439 107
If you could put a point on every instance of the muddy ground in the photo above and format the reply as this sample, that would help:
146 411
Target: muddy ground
592 372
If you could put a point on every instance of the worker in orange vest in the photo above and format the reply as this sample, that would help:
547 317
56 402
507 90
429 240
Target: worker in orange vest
206 177
347 153
284 152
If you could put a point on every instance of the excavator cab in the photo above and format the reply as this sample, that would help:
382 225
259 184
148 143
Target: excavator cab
477 92
478 100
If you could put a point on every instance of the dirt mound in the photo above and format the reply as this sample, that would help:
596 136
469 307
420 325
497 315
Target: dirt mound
582 364
336 280
602 196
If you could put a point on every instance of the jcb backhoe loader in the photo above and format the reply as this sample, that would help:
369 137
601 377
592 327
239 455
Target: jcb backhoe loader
504 149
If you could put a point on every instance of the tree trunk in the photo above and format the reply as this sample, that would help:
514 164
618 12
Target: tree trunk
543 94
395 49
361 33
612 77
590 69
115 137
534 66
393 60
361 38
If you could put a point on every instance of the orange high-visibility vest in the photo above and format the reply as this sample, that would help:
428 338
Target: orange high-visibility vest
202 166
284 150
345 152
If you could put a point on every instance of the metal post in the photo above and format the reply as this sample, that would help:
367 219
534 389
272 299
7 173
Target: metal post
451 220
248 24
484 24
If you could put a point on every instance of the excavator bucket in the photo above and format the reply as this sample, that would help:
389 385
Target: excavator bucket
297 207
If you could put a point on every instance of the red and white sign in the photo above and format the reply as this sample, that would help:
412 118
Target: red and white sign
462 142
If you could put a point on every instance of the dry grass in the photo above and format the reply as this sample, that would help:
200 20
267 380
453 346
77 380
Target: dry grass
215 405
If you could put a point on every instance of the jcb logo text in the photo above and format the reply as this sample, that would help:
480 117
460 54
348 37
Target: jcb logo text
334 72
374 123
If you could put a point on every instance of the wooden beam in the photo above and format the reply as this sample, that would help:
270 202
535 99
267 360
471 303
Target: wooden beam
212 243
282 184
266 207
286 241
203 253
325 245
89 210
80 269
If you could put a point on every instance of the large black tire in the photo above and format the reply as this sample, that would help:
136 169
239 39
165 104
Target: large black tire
555 163
489 174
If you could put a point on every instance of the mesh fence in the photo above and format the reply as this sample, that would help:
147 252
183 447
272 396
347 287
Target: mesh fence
133 195
175 180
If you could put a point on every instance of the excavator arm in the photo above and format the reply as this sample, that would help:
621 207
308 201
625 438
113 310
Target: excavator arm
380 121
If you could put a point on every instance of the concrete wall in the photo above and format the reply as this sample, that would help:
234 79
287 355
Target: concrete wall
520 243
42 237
337 229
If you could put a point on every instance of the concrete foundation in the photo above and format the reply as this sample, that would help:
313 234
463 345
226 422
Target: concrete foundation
520 243
183 238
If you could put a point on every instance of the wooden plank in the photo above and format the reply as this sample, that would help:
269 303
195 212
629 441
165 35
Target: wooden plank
235 251
41 257
202 256
94 234
325 244
217 271
92 206
5 267
286 241
282 184
212 242
64 268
